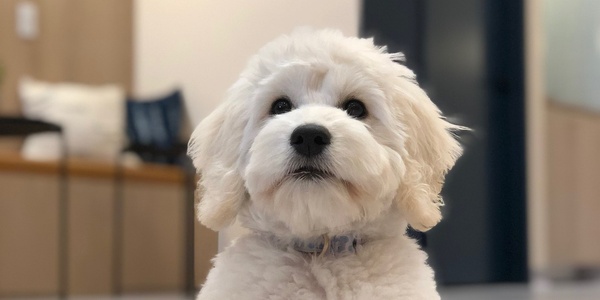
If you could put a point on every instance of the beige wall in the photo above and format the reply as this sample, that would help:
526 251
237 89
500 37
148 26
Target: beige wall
202 45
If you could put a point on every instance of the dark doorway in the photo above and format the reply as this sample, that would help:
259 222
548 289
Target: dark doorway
468 55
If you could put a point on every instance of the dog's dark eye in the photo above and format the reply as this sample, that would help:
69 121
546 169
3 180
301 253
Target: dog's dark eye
355 109
280 106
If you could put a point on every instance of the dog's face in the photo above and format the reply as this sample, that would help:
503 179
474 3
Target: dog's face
322 131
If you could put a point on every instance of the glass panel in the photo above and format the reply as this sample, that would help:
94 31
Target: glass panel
573 52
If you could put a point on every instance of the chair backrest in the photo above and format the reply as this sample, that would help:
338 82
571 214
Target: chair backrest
153 128
155 123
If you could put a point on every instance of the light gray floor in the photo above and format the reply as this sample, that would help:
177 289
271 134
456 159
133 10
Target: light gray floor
537 291
125 297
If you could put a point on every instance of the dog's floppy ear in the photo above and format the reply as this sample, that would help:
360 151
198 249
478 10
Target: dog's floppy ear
215 149
431 150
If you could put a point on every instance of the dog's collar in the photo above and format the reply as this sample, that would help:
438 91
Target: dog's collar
336 245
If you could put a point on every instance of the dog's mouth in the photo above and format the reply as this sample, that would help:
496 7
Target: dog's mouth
309 173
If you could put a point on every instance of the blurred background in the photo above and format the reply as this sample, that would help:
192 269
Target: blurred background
98 98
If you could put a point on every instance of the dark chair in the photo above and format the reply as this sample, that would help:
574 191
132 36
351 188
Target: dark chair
22 127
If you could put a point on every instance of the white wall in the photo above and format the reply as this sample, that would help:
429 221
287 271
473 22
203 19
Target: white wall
202 45
572 46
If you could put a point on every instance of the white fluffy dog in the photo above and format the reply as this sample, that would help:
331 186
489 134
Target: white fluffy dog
326 149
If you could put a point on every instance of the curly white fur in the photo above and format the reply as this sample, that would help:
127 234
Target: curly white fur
387 172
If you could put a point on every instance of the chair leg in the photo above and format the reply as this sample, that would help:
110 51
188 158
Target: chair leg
63 227
117 250
189 186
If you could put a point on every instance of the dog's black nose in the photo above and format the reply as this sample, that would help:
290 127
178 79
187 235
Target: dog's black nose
310 139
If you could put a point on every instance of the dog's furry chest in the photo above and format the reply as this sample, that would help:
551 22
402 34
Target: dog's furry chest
252 268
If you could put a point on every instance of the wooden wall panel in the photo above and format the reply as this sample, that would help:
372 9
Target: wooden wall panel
205 248
17 56
90 235
28 234
153 250
562 182
86 41
573 187
54 45
101 41
587 200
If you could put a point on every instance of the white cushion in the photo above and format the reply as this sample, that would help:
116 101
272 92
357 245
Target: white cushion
92 117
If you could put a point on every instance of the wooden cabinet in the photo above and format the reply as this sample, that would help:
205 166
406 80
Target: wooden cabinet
153 231
28 234
573 188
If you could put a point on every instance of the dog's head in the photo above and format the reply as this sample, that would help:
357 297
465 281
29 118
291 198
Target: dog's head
321 131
